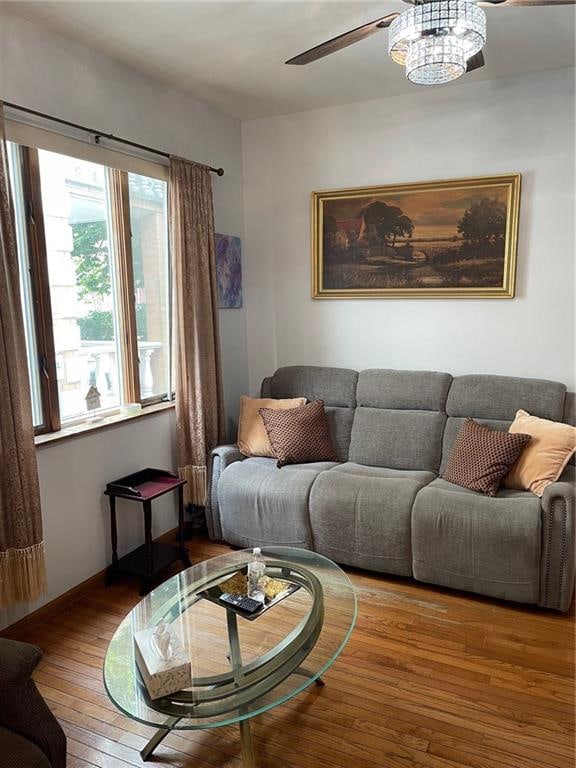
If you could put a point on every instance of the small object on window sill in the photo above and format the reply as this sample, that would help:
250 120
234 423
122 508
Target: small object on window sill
92 405
130 409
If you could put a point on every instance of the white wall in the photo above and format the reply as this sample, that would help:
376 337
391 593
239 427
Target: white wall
524 124
43 71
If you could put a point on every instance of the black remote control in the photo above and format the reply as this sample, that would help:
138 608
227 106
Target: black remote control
246 604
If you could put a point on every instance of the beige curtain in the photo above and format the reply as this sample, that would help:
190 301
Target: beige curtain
22 566
199 402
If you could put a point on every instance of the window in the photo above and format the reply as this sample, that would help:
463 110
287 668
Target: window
148 222
95 284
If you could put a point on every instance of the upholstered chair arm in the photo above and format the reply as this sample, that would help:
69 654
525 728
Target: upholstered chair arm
23 709
221 457
558 536
17 662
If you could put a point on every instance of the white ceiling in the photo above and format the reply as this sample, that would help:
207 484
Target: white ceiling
231 54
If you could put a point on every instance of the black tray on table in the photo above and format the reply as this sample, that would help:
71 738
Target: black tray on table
214 593
144 485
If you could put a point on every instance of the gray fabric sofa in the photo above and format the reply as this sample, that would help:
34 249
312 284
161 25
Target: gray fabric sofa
384 506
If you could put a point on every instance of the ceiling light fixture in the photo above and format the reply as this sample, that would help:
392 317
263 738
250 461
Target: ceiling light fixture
435 39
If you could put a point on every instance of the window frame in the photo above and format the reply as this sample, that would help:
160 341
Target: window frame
121 235
34 212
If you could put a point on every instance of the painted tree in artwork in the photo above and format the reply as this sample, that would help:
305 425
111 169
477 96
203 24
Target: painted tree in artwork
388 221
330 228
484 223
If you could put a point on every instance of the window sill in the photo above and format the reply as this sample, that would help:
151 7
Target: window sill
68 433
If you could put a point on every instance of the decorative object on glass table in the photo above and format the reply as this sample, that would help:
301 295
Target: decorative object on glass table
162 660
161 641
93 403
229 271
274 590
256 574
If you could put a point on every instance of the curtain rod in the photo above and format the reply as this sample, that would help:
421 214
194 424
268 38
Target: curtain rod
99 134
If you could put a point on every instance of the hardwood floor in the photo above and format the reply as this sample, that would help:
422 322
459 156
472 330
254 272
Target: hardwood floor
430 679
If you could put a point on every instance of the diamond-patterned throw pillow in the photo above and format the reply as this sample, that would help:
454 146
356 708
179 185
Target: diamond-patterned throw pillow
299 435
481 457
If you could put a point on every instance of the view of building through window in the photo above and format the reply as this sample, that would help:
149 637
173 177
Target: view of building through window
148 221
78 229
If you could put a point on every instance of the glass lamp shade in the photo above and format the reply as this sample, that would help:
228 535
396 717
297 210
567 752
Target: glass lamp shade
460 20
435 60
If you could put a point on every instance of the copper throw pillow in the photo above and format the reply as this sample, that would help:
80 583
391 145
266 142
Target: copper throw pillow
299 435
481 457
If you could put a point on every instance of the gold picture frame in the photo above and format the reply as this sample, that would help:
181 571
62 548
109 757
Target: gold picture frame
437 239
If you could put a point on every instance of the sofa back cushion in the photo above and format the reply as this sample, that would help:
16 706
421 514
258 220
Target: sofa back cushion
494 400
335 386
400 418
397 419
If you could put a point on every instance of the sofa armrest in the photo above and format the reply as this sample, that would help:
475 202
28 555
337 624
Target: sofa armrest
558 537
23 709
17 661
221 457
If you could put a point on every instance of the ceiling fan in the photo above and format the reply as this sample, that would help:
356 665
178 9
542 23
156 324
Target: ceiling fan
436 40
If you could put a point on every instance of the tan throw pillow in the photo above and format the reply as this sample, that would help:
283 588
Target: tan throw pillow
300 435
252 436
543 461
482 456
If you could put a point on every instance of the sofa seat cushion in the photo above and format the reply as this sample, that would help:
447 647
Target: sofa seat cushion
262 505
465 540
360 515
18 752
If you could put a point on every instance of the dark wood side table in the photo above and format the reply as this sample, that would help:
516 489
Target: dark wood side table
146 561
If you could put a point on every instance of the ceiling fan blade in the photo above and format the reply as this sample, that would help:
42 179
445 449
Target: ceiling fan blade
343 41
509 3
475 62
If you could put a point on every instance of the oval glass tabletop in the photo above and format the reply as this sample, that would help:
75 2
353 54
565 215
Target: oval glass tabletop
240 667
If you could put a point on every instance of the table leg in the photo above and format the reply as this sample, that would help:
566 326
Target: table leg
159 736
182 551
248 755
148 560
114 540
113 530
306 673
233 639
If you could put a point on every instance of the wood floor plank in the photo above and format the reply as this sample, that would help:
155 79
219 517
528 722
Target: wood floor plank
430 679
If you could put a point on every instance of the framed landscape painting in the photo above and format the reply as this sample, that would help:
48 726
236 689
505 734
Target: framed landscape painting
439 239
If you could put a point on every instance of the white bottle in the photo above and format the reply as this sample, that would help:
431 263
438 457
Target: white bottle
256 572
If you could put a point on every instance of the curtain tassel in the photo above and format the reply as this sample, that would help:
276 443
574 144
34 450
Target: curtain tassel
195 488
22 574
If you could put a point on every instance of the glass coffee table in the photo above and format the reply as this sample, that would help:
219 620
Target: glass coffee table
240 667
